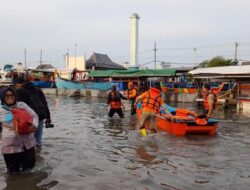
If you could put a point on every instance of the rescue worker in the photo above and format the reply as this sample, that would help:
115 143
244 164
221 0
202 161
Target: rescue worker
115 103
132 94
151 103
210 100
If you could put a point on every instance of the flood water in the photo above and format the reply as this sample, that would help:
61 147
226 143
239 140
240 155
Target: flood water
87 150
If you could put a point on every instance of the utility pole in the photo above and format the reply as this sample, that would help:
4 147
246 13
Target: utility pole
84 68
67 59
195 49
235 52
41 56
155 53
25 52
75 54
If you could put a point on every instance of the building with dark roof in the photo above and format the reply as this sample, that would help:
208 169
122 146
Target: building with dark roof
99 61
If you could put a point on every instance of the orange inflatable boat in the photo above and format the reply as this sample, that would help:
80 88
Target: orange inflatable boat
181 126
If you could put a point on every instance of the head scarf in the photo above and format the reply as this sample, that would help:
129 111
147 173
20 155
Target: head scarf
3 102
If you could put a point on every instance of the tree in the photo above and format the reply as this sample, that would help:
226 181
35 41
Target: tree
218 61
203 64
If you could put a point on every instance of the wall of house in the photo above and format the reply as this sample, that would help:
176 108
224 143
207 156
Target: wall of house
75 62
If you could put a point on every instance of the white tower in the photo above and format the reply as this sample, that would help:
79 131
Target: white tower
134 19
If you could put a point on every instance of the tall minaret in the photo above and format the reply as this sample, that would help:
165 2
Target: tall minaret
134 19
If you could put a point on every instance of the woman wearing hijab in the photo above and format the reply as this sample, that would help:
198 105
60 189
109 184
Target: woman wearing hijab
17 148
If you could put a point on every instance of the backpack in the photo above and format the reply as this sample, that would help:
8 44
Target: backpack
22 121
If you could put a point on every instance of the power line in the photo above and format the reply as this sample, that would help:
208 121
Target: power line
196 48
199 47
127 55
169 62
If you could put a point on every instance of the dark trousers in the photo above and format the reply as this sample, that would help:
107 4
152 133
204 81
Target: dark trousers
133 110
112 111
20 161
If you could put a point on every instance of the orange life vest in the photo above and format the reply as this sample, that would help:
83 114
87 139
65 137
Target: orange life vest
184 112
115 100
206 103
152 100
132 93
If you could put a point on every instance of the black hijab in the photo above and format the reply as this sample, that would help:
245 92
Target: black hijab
4 94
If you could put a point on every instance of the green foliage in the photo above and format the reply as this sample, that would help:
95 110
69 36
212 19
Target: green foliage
203 64
218 61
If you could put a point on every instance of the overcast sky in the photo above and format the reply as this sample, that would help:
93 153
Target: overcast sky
104 27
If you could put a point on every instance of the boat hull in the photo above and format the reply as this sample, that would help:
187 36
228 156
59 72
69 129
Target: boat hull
182 128
68 84
44 84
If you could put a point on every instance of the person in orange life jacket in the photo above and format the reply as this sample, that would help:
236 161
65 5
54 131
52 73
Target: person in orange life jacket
151 103
132 94
210 100
114 101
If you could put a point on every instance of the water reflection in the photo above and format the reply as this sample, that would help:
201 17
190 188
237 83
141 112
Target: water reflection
31 179
144 155
28 180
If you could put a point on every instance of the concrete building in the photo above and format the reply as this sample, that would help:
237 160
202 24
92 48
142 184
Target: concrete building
72 62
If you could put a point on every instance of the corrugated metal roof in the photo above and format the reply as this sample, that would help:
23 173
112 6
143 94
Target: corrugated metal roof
134 73
227 70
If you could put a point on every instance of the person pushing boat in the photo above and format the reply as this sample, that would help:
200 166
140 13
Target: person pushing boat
151 103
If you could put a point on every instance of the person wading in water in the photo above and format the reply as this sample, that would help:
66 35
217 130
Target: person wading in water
151 103
210 98
115 103
132 94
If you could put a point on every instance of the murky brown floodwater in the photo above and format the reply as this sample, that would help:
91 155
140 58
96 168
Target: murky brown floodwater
87 150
